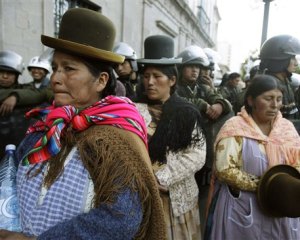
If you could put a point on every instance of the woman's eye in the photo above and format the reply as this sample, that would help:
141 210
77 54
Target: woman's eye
67 68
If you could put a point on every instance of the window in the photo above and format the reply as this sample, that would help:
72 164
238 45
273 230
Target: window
204 19
61 6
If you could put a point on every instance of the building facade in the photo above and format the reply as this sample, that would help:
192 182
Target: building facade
188 21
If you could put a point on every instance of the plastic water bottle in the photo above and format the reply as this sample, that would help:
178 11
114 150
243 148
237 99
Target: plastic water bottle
9 207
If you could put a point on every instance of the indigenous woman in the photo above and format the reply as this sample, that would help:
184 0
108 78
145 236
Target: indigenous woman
250 143
176 141
84 170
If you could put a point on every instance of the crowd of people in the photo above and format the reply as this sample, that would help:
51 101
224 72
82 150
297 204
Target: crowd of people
112 146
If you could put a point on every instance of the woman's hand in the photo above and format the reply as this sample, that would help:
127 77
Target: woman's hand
162 189
9 235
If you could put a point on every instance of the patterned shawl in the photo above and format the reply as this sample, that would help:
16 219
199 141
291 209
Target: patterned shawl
116 111
282 145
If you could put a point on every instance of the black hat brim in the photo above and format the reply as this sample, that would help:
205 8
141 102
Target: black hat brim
162 61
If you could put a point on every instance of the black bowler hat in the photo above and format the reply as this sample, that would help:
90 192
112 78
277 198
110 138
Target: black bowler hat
159 50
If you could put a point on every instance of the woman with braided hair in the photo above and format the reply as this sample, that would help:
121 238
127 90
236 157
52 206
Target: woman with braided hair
177 144
84 169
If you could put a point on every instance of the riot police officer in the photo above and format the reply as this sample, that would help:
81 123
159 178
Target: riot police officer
12 122
211 104
214 108
207 73
39 70
231 90
278 58
127 71
11 66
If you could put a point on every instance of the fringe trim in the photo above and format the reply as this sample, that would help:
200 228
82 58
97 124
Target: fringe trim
101 147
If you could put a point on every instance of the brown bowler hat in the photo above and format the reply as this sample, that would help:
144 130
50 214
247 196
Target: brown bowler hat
85 33
278 192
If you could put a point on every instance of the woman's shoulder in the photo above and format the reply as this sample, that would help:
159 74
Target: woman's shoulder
234 119
27 144
115 138
112 142
233 124
143 110
286 125
177 102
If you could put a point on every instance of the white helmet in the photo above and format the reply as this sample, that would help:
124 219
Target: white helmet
193 55
213 57
125 50
37 62
11 61
295 80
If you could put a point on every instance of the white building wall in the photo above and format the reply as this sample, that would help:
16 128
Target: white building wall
23 21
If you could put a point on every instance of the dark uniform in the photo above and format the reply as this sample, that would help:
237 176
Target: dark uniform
277 54
130 84
13 126
232 95
202 96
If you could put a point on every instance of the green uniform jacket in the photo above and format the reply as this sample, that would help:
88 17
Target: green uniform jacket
13 126
202 96
289 109
27 94
232 95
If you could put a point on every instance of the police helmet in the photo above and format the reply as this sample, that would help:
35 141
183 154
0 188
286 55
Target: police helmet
128 52
295 80
213 58
37 62
253 71
280 47
11 61
193 55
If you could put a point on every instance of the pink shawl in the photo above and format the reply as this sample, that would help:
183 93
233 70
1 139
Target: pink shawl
282 144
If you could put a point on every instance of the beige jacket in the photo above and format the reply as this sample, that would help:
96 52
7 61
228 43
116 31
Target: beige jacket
178 175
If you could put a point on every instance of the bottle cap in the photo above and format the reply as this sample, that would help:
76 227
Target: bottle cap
10 147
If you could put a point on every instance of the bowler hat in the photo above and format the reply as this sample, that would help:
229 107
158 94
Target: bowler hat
278 192
85 33
159 50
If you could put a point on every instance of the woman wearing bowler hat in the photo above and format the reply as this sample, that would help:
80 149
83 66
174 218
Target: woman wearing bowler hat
247 147
84 169
177 144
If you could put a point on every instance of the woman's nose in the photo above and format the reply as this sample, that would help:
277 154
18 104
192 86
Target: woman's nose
118 67
275 103
296 62
151 80
56 76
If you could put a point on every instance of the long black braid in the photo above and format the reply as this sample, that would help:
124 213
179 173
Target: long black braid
175 128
